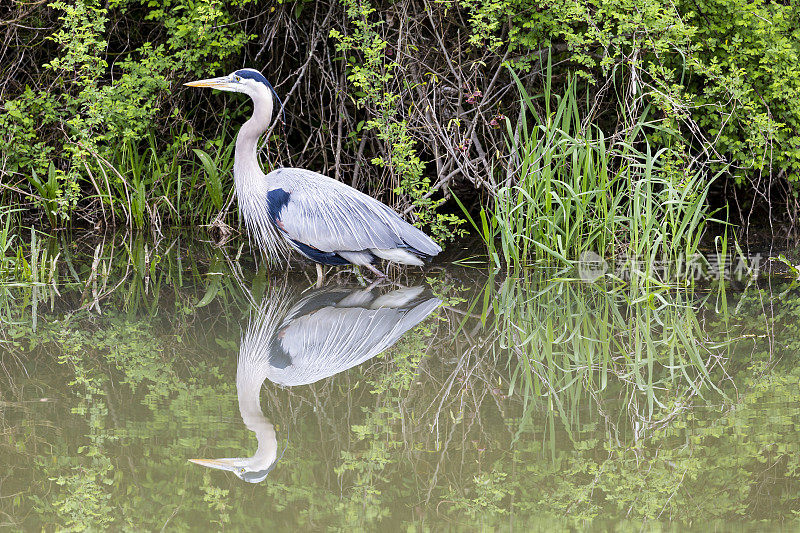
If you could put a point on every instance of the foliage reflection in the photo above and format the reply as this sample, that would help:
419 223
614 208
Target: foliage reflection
538 403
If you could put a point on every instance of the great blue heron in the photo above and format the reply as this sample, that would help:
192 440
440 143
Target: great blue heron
293 208
324 333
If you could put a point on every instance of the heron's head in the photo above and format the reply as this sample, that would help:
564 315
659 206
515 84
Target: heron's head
245 80
245 469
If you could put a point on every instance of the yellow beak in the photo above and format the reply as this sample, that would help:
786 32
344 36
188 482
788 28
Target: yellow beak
219 464
215 83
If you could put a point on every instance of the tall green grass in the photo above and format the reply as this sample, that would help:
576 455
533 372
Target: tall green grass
144 184
569 192
145 187
22 263
6 242
7 263
568 189
27 269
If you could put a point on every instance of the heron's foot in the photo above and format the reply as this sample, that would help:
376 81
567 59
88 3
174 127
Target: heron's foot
374 284
365 281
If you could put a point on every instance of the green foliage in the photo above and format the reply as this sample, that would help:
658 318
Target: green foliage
370 76
87 474
216 498
746 57
84 500
487 495
84 127
50 192
570 191
725 72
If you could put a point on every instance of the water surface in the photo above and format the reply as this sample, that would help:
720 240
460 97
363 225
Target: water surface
448 400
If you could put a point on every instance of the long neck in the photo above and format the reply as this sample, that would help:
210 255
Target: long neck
250 182
248 387
245 163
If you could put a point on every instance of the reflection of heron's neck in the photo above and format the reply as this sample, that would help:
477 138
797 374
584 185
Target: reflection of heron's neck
248 388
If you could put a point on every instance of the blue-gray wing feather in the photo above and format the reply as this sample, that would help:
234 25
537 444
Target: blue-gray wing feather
331 216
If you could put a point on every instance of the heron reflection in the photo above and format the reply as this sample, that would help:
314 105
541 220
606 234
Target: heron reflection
301 341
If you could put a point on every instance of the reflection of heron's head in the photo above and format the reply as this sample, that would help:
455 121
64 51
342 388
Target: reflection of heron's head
248 469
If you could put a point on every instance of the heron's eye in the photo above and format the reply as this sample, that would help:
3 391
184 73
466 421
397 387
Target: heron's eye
237 78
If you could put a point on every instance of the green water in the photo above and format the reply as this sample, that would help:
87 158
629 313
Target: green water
450 400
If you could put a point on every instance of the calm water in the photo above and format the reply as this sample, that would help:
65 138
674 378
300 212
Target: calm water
174 387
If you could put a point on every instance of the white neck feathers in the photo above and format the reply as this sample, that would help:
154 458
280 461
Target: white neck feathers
245 162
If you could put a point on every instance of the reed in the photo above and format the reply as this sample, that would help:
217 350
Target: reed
7 261
143 186
567 189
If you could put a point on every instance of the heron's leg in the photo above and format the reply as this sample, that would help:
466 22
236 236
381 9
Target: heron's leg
320 276
376 271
